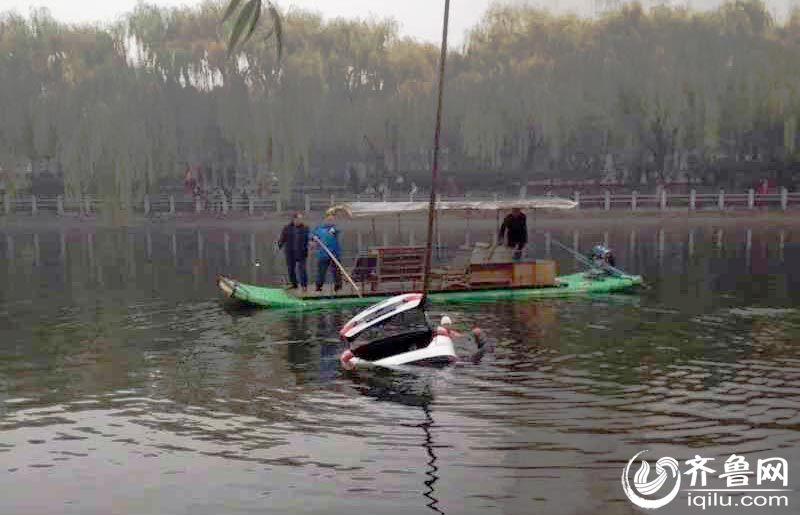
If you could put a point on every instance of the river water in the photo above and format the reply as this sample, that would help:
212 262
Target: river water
129 386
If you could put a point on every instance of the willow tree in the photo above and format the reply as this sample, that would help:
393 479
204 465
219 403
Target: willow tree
124 108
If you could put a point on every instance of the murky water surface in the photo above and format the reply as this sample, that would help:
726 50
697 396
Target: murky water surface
128 386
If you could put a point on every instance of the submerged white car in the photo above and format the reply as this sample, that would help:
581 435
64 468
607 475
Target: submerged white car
396 332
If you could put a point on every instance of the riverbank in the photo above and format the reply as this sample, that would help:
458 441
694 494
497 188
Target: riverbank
553 219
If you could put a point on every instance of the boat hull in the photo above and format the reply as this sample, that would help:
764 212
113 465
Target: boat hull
574 284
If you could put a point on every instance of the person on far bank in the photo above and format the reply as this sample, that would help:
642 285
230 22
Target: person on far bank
515 227
294 242
328 235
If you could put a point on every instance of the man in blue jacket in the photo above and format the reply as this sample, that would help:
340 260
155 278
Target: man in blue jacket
328 234
294 242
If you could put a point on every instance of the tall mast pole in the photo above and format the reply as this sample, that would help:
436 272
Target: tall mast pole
435 172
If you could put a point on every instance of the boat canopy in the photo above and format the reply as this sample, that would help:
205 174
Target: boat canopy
372 209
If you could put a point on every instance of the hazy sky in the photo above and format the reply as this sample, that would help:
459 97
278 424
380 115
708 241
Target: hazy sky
417 18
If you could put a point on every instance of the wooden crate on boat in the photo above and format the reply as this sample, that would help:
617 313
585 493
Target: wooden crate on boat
364 271
524 274
491 274
535 273
514 274
399 263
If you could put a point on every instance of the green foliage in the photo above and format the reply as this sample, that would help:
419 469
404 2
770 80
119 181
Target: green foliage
249 16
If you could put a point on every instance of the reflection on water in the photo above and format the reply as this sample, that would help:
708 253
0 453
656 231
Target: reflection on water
121 367
413 390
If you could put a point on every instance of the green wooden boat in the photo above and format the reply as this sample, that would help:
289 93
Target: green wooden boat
491 273
573 284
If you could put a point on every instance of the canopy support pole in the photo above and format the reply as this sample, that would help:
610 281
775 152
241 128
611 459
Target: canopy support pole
435 171
497 227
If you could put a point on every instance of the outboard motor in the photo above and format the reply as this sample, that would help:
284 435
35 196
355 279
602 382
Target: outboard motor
609 257
597 255
602 257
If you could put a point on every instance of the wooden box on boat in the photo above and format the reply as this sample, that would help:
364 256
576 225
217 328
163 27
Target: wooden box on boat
544 273
491 274
523 274
399 263
515 274
390 265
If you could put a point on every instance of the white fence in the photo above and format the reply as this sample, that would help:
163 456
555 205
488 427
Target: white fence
171 204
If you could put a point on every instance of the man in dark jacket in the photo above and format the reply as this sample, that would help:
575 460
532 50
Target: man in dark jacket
515 226
294 242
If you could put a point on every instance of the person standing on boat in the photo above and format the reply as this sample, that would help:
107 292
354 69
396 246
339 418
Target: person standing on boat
328 234
515 226
294 242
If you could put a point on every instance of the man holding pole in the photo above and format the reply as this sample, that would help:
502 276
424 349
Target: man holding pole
326 237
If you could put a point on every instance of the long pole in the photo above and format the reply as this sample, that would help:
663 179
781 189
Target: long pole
435 172
339 265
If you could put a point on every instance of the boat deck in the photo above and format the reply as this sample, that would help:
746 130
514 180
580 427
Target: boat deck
391 274
393 288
